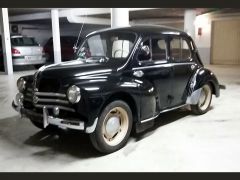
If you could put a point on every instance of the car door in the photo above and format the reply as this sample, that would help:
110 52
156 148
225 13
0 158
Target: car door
155 73
181 57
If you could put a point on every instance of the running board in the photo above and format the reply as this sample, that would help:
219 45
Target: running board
165 110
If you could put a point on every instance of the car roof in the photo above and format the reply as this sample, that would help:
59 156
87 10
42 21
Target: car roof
145 29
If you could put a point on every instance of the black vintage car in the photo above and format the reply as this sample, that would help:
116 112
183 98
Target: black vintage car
121 77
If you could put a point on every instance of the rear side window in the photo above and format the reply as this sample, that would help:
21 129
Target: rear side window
23 41
179 49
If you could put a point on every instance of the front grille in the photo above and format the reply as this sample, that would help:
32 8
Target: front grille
49 85
47 99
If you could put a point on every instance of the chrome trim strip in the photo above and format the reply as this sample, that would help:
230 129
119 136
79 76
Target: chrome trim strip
53 100
163 65
170 109
149 119
153 66
52 106
166 110
50 94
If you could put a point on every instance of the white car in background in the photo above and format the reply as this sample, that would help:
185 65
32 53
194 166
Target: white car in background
25 51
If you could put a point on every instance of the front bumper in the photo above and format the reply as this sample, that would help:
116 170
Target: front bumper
50 120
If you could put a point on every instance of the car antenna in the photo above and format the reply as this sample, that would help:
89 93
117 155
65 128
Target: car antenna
75 45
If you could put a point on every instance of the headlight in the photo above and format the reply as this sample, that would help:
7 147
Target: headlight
21 84
73 94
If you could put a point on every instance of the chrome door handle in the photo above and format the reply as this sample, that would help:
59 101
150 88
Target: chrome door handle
138 73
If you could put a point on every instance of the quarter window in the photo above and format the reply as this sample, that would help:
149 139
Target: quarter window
180 50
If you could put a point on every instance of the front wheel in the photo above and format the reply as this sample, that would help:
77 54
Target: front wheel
113 127
204 101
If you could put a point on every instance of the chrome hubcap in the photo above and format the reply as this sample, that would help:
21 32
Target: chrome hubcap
112 126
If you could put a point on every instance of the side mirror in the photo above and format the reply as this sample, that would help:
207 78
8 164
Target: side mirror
145 50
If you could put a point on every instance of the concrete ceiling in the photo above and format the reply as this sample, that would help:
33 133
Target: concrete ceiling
160 13
21 11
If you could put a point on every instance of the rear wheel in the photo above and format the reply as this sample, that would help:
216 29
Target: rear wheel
113 127
204 101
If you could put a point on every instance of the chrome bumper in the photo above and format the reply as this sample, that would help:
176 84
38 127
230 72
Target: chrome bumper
61 123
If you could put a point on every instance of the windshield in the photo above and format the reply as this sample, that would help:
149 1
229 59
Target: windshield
23 41
107 46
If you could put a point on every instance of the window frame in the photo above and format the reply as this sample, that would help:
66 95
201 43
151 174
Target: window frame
189 47
161 37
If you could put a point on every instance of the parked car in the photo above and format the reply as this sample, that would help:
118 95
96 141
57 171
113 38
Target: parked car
122 77
25 51
67 50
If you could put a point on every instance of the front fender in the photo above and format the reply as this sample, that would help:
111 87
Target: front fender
201 76
96 94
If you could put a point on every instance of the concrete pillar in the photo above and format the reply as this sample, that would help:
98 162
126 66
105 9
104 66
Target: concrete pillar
56 36
189 18
6 43
119 17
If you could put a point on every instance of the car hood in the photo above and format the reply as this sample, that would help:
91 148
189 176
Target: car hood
75 68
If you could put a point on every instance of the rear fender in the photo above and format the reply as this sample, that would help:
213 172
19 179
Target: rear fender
201 77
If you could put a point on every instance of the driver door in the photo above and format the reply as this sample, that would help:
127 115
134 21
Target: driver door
156 77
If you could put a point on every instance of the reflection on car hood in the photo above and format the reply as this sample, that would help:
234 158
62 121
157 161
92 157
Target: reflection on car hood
74 68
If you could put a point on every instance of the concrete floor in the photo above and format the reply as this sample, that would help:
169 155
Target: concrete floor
179 141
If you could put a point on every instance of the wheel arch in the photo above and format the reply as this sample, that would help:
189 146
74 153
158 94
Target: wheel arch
127 98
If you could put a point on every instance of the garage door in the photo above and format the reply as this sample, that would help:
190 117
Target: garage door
226 42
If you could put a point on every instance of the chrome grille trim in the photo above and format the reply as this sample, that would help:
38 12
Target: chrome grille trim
52 100
29 94
28 99
50 94
52 106
48 97
29 89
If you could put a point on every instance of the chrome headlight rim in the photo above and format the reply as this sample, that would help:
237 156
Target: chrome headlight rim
76 92
21 84
19 99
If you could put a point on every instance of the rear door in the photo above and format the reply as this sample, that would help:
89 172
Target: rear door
182 59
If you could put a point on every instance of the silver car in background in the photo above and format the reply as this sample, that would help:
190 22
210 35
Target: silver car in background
26 51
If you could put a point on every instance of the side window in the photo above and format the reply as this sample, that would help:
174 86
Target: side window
180 50
159 49
141 55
